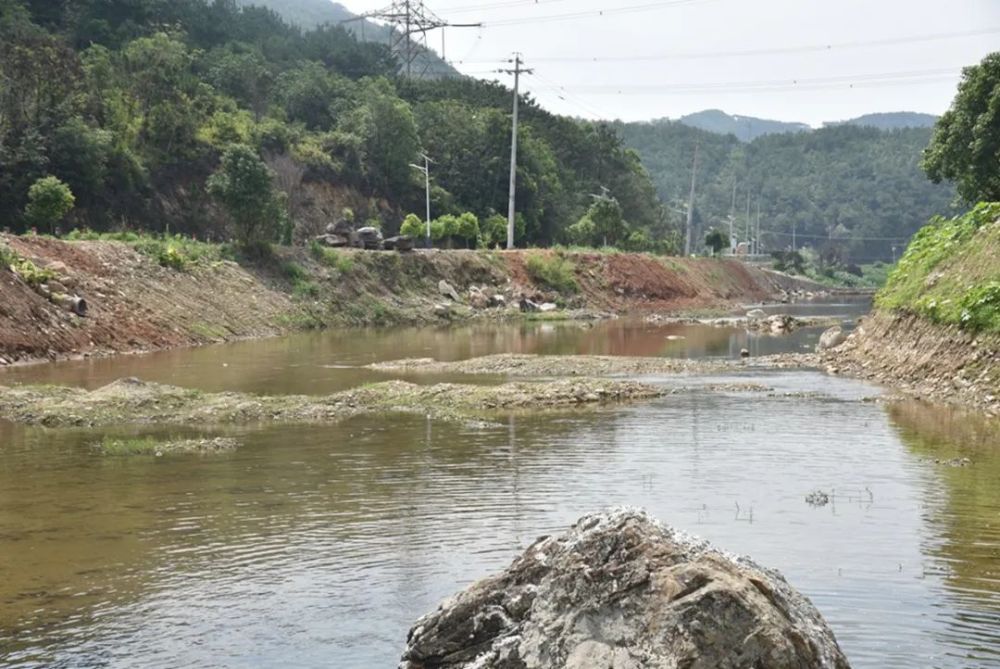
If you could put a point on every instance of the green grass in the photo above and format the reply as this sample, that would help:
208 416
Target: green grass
132 446
341 261
552 271
950 274
172 251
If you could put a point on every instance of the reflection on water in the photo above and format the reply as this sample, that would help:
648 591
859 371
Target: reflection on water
319 546
966 518
321 363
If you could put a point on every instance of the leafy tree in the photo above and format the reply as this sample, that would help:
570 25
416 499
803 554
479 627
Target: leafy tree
966 143
413 226
468 228
716 240
243 186
583 232
389 134
49 200
609 225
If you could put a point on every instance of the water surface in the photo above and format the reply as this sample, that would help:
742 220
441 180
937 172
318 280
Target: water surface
319 546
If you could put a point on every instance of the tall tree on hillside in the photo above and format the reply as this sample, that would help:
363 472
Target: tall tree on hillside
966 143
243 184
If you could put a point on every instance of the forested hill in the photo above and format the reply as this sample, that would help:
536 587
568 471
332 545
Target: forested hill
848 189
312 14
132 103
892 120
745 128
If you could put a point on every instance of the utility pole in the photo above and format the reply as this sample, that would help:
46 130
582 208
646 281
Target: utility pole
732 222
746 228
757 241
409 20
795 224
690 212
517 71
426 169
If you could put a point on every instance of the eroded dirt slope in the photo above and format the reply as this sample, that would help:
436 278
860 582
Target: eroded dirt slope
135 304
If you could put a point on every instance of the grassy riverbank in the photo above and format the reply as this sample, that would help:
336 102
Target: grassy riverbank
935 332
146 293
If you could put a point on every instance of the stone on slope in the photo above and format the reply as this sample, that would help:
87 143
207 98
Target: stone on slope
621 591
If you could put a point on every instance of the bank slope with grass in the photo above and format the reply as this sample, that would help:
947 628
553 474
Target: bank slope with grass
145 294
935 330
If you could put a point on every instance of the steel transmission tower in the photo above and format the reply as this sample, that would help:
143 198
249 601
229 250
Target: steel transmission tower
410 21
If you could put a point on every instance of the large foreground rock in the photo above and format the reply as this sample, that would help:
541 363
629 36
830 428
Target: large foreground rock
620 591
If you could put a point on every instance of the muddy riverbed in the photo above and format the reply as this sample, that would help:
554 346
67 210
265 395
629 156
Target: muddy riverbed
318 545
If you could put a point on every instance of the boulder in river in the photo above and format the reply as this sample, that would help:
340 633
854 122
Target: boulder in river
621 591
831 339
756 314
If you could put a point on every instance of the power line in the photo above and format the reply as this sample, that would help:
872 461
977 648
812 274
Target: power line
697 55
849 238
562 94
494 5
858 80
569 16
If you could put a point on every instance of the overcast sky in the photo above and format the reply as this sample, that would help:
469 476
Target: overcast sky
672 57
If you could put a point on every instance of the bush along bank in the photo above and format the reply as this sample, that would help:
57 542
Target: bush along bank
935 332
146 293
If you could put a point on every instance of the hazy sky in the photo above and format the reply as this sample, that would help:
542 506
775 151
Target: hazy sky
645 59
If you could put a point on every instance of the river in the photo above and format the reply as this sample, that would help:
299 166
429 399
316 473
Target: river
319 546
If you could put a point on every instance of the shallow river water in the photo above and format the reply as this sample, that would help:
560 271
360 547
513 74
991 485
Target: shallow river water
319 546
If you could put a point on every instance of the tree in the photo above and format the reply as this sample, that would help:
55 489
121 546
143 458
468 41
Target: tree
966 143
49 200
413 226
603 224
243 186
716 240
468 227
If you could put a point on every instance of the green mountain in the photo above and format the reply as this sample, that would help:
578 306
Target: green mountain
745 128
311 14
133 106
892 120
849 190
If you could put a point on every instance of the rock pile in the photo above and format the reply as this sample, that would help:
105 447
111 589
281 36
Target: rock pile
620 591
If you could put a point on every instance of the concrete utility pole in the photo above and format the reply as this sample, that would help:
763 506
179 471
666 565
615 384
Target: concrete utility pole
746 228
690 212
757 242
517 71
732 223
426 169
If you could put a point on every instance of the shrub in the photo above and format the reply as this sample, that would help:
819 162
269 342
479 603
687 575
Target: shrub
49 200
552 271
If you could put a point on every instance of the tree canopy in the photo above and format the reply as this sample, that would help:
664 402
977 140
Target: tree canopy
965 148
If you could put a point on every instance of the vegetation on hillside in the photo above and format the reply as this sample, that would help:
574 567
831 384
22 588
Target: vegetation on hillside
950 274
851 193
133 105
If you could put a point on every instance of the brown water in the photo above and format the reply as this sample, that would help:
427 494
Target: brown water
319 546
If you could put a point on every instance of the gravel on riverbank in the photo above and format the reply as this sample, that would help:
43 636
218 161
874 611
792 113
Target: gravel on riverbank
520 365
131 401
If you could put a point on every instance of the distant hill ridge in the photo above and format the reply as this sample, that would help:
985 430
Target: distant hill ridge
749 128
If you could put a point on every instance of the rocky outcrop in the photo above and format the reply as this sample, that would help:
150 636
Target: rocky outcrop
620 591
